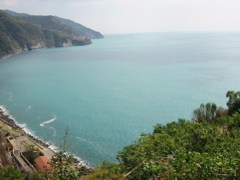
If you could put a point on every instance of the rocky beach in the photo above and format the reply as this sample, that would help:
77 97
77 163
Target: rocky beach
14 137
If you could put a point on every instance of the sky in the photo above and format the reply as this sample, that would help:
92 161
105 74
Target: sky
136 16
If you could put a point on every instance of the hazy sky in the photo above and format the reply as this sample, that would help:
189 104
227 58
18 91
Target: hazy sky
128 16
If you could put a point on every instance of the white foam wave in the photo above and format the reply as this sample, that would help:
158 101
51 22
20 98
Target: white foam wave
26 129
52 147
6 112
23 126
32 133
48 121
45 123
56 149
81 162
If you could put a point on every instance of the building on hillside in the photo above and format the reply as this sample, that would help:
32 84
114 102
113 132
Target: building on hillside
42 164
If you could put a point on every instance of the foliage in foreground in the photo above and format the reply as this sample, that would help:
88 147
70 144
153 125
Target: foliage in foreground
9 173
208 147
62 168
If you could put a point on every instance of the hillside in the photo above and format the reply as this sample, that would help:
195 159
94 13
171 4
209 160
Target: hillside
205 148
19 32
57 23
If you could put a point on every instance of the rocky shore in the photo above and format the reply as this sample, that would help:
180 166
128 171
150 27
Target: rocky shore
7 120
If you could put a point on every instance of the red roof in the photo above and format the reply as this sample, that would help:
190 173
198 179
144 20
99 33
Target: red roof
43 163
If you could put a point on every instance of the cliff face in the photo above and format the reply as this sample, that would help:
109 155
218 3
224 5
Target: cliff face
19 32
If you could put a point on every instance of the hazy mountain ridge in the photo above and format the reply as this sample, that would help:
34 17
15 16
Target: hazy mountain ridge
19 32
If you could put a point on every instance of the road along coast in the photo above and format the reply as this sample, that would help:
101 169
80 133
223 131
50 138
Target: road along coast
17 147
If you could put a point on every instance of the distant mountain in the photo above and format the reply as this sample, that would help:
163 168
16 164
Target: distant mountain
19 31
12 13
57 23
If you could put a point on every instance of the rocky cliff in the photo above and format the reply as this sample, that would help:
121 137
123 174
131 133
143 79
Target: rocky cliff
19 32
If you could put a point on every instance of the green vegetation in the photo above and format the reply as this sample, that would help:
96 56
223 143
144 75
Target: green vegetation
233 102
60 24
207 147
62 165
9 173
206 112
20 32
61 168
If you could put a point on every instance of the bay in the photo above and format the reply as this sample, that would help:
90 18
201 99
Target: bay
109 92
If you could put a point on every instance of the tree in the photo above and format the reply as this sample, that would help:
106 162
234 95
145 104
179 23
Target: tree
233 101
62 168
221 112
107 171
182 150
61 163
9 173
34 176
206 112
206 148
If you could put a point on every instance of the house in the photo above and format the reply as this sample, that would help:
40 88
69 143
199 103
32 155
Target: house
42 164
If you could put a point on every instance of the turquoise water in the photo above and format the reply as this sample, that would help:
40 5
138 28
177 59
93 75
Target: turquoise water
110 92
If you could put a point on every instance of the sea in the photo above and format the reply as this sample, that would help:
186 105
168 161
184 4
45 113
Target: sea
105 95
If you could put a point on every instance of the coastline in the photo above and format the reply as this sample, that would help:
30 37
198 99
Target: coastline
14 54
7 119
